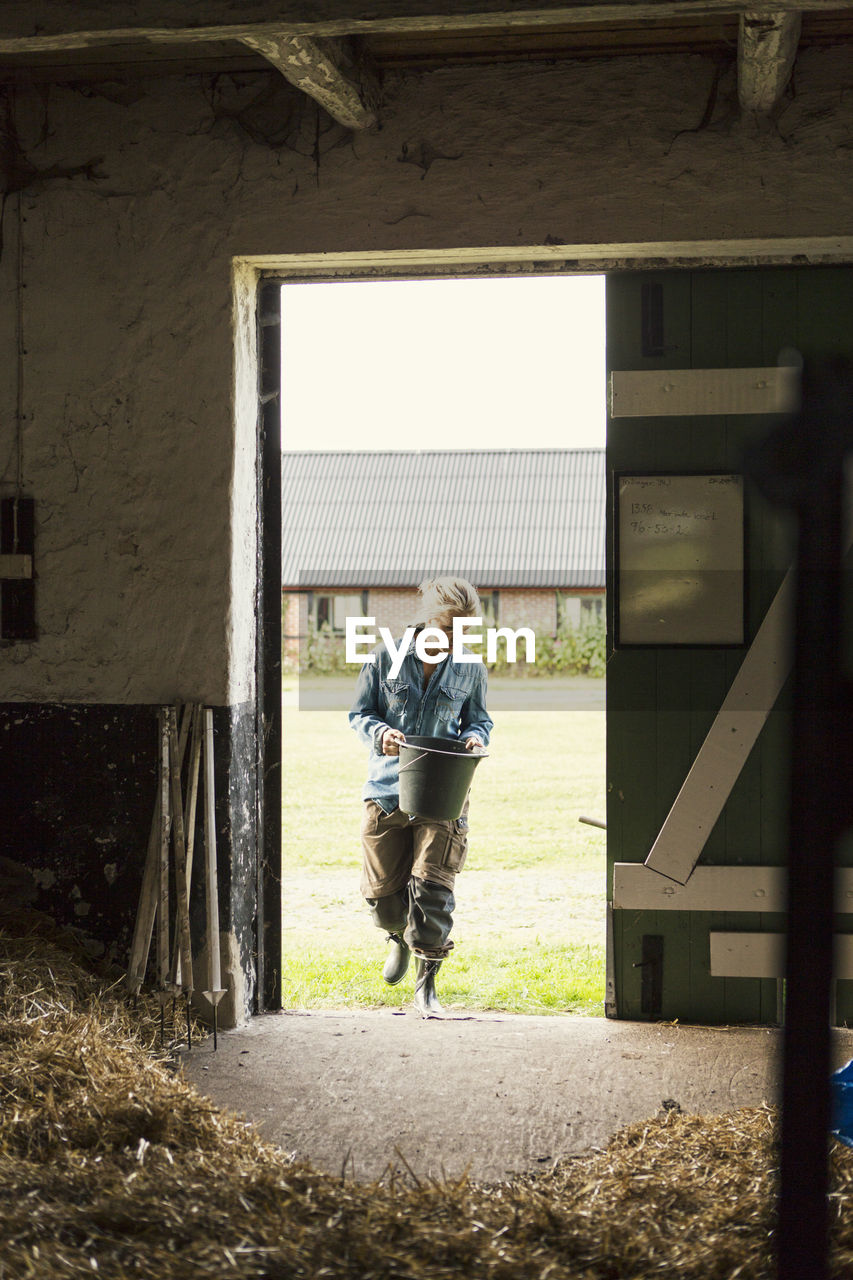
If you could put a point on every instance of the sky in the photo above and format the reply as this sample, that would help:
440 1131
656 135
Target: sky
505 363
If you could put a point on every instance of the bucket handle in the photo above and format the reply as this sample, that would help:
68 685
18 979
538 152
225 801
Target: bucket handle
417 759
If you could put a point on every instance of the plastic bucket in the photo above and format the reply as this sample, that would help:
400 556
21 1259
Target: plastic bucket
435 776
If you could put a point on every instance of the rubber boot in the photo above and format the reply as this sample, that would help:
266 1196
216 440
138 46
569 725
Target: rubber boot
426 1001
397 962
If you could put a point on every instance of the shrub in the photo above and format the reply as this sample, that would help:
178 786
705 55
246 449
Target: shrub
571 651
322 652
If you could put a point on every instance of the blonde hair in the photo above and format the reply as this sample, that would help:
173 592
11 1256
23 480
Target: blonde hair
456 596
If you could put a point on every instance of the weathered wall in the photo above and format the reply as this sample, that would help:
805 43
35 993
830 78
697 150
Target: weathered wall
145 492
129 447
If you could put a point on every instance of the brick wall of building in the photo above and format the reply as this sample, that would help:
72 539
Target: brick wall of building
397 607
393 607
536 609
294 623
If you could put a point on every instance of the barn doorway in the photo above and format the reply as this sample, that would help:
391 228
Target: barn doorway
494 389
714 312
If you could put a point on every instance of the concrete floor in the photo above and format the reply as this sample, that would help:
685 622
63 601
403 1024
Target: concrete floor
494 1094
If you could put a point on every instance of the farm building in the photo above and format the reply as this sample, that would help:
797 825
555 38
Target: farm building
166 166
526 527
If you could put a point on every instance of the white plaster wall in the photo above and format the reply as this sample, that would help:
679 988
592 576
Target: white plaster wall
145 489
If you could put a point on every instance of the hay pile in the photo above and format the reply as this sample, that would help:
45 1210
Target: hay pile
111 1166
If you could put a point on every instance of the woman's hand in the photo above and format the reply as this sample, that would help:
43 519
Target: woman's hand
473 744
391 740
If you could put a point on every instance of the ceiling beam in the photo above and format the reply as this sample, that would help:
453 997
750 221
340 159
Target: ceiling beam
524 259
325 71
46 26
767 48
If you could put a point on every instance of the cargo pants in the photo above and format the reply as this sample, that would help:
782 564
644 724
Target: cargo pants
409 868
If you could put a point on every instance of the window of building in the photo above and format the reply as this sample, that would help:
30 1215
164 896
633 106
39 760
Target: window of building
592 608
489 606
578 611
568 610
332 610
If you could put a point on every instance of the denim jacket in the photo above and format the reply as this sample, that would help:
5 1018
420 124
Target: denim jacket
453 705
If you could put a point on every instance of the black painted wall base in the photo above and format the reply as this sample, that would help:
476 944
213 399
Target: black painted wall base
77 792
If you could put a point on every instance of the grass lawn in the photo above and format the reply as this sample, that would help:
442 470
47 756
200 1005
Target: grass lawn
529 925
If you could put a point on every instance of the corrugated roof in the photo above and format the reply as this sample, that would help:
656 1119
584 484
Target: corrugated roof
503 518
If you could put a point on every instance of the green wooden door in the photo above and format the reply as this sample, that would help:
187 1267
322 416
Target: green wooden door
662 701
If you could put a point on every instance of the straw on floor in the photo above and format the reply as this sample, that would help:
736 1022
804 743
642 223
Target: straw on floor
111 1166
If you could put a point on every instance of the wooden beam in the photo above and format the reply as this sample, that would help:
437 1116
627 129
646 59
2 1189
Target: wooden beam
324 71
747 955
731 737
638 888
662 393
762 955
561 258
61 26
728 743
767 48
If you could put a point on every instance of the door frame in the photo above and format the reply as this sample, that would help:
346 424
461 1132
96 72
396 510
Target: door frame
256 286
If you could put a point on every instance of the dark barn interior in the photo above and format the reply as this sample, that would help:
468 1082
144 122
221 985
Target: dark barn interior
165 166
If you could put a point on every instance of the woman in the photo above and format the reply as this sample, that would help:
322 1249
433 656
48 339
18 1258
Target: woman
410 863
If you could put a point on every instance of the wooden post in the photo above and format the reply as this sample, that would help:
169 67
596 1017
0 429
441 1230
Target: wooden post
184 949
147 910
148 896
214 992
163 974
803 465
192 790
190 729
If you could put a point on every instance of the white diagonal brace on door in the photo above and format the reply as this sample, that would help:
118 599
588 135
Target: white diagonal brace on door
729 741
